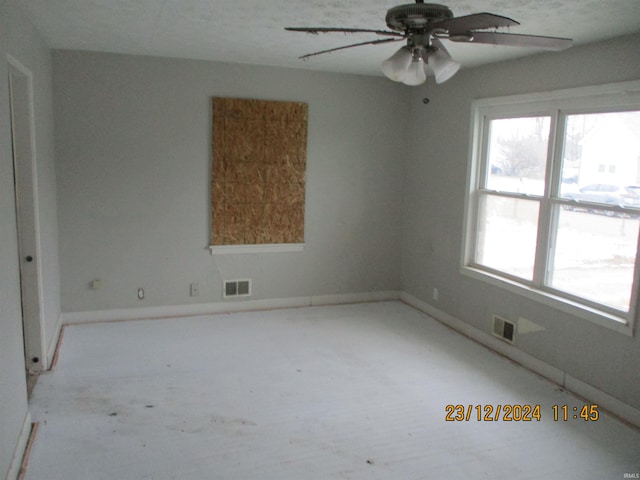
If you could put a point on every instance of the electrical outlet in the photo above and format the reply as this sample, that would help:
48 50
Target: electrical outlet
195 289
435 294
140 293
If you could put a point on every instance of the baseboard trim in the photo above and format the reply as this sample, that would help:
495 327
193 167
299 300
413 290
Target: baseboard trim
229 306
611 404
21 447
53 343
341 299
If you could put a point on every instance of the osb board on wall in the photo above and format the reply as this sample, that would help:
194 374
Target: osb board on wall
258 174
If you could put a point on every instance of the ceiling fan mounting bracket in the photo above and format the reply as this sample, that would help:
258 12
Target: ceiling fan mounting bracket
416 16
419 41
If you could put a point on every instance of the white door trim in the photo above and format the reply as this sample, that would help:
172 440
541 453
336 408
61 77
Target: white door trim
26 185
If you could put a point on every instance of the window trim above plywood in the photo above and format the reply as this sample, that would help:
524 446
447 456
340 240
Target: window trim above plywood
259 248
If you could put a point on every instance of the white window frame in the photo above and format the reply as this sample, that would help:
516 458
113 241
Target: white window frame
556 105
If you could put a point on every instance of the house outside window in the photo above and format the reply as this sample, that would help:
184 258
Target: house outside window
553 209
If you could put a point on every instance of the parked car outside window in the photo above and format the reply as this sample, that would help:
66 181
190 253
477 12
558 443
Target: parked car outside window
626 195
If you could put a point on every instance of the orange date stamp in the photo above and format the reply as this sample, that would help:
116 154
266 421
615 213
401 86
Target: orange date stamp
493 413
519 413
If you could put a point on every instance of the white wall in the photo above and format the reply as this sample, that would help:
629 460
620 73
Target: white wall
435 190
133 138
19 39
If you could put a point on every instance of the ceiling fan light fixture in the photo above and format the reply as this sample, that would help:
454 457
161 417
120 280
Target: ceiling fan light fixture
417 72
397 65
443 66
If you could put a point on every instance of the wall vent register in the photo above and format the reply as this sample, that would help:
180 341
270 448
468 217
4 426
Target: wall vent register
236 288
504 329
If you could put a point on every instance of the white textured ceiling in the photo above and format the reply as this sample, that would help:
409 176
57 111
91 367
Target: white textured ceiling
252 31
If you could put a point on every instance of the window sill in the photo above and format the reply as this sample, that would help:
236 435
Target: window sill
262 248
604 319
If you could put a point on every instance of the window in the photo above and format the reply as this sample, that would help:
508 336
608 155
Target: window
553 208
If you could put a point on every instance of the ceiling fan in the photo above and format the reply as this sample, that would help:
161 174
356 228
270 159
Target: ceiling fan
423 25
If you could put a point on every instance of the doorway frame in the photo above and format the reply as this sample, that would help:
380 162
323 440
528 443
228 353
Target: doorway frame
23 140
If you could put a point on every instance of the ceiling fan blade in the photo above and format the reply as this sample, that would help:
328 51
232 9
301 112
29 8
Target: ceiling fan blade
476 21
514 40
372 42
316 30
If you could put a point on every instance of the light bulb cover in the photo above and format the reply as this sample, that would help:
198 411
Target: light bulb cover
417 72
443 66
395 67
444 69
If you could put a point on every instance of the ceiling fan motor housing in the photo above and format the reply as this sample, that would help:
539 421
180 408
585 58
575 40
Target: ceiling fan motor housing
416 16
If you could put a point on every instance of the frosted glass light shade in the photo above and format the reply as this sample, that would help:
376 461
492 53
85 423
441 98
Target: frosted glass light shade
443 66
416 74
395 67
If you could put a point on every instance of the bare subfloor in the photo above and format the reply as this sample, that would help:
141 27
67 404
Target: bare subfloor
343 392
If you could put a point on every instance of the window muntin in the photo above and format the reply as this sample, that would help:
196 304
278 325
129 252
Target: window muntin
598 274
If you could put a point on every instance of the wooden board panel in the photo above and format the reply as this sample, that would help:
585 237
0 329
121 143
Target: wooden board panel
258 171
